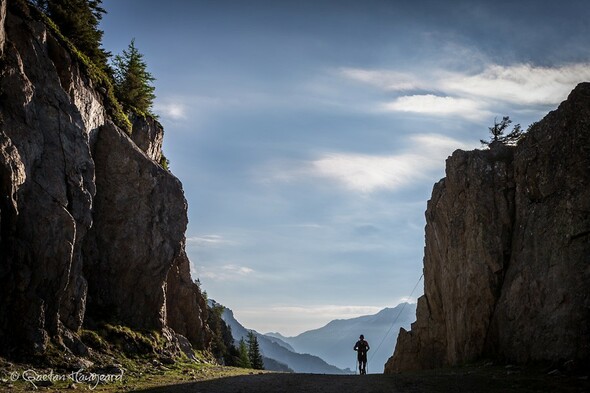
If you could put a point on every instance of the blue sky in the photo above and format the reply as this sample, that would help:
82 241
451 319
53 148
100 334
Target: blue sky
308 134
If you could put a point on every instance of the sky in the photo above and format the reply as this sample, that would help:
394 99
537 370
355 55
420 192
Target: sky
308 134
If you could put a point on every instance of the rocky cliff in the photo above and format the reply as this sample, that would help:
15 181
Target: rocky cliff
91 226
507 255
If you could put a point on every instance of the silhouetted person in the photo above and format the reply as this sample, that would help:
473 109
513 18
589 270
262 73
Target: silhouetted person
362 347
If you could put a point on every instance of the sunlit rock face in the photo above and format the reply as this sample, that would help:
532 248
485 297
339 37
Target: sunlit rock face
91 227
507 256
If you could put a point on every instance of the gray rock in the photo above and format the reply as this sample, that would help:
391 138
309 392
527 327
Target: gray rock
90 224
2 31
148 135
507 251
184 297
47 188
139 223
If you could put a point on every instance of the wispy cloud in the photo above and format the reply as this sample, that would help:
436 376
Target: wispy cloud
171 110
293 320
522 84
385 79
368 173
437 105
207 240
407 299
336 311
473 95
229 272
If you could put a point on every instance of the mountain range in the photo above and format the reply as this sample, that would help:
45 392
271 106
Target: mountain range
278 355
328 350
334 342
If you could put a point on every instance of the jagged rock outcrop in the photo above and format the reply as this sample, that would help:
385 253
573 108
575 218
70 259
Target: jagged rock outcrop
139 222
507 256
544 308
91 227
148 135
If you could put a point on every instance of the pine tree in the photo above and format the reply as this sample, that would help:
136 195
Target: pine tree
78 20
497 132
254 352
244 360
133 83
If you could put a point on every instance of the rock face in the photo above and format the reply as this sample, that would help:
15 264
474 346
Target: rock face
507 256
91 227
180 314
148 135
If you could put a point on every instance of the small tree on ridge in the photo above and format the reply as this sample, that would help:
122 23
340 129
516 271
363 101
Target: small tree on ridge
497 132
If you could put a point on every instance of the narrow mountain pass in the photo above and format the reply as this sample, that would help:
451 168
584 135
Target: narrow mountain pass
468 379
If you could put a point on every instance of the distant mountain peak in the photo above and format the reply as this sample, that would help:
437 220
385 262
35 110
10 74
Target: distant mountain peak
274 347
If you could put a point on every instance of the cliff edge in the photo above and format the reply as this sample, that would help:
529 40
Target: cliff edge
92 228
507 255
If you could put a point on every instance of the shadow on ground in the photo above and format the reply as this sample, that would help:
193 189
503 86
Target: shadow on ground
474 379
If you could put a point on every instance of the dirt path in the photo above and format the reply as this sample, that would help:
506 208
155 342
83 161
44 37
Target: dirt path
455 381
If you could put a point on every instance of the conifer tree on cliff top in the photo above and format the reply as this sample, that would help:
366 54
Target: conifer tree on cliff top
78 20
133 83
498 136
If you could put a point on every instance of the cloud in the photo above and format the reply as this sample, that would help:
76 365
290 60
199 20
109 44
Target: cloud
332 311
293 320
369 173
229 272
521 84
207 240
407 299
172 110
473 95
440 106
384 79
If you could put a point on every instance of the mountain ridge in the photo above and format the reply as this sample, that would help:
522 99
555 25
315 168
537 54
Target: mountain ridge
298 362
333 342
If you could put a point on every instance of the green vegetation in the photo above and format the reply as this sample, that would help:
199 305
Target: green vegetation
497 133
133 83
93 340
244 359
126 85
130 342
254 352
137 375
143 358
98 75
78 20
164 162
246 354
222 344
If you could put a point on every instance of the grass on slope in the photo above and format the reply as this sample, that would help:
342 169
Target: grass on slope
142 376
